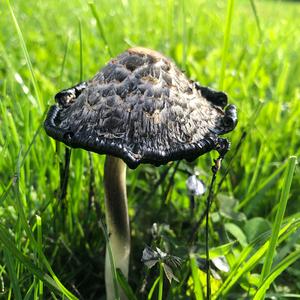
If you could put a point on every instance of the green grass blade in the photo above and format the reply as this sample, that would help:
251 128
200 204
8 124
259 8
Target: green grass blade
12 274
230 6
33 242
39 250
253 6
28 295
125 286
220 250
27 58
268 182
12 180
279 217
197 284
256 170
245 264
9 245
184 40
62 68
283 265
100 28
80 51
112 261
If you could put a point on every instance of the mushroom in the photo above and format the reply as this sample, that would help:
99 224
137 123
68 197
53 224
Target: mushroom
139 108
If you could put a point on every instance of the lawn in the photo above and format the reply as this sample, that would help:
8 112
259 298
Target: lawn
53 246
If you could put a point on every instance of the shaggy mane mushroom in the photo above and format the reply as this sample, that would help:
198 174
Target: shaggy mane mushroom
139 108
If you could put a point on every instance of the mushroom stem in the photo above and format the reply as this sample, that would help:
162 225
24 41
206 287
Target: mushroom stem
117 220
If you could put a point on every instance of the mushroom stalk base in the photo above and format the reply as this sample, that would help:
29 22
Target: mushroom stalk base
117 221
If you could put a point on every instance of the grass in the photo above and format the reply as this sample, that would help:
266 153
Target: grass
51 248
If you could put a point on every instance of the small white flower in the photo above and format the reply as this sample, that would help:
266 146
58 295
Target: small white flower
195 186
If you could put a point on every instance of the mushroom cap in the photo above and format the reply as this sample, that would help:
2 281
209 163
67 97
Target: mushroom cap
141 108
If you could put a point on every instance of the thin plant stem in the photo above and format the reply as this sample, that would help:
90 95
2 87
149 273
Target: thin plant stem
171 183
153 288
233 157
215 170
207 208
161 281
65 175
208 204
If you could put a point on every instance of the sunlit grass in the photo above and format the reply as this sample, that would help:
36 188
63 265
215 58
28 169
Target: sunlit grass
48 247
